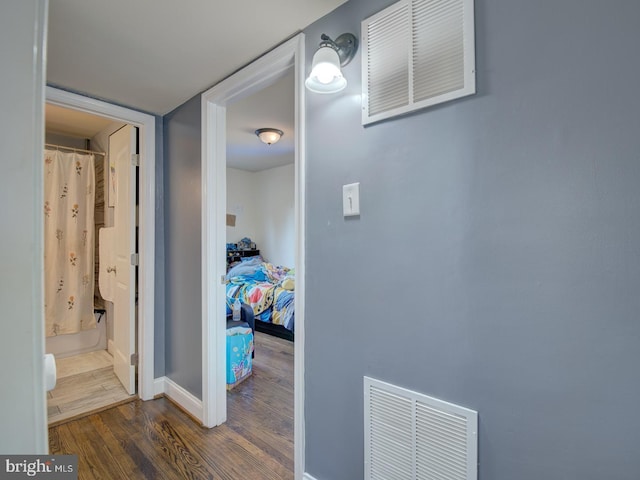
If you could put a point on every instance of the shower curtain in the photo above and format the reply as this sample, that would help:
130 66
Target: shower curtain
69 185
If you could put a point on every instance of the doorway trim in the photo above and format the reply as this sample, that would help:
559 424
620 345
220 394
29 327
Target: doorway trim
146 215
252 78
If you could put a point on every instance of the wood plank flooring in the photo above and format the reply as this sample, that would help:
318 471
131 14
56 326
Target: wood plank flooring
85 362
86 383
156 440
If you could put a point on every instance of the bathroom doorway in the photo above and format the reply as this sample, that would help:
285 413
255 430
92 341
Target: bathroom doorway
80 208
85 360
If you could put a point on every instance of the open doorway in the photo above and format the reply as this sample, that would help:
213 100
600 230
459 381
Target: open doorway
260 226
139 132
260 74
80 210
260 255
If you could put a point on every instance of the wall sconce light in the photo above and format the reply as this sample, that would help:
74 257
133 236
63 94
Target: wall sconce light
326 76
269 135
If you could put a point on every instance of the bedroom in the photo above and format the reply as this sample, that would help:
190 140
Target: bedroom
261 230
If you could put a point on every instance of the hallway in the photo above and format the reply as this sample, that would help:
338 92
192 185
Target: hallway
155 439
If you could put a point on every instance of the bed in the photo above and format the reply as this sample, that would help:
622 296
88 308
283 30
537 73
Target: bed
269 290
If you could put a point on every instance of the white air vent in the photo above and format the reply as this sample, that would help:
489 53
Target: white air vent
416 53
414 437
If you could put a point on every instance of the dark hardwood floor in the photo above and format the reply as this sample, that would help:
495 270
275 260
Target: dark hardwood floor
156 440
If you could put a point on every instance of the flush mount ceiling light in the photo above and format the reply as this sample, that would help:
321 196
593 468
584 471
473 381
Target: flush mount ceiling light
269 135
326 76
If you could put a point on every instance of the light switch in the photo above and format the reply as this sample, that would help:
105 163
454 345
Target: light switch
351 199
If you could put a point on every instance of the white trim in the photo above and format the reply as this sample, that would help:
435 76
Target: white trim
159 386
300 264
146 272
261 73
213 339
306 476
182 397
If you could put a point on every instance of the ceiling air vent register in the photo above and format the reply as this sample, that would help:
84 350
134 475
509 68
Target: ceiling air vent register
417 53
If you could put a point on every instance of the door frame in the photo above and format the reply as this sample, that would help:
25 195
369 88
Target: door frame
252 78
146 223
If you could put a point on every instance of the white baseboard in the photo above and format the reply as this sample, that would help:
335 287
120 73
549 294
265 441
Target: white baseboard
110 347
158 386
306 476
179 395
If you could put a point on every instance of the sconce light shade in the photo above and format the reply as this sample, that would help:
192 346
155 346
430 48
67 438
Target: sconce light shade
326 76
269 135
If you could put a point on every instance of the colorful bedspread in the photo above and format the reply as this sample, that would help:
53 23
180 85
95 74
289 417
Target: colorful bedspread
267 288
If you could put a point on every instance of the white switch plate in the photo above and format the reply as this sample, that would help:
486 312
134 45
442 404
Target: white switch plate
351 199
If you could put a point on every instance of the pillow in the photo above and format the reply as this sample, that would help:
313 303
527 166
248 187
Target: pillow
246 269
249 259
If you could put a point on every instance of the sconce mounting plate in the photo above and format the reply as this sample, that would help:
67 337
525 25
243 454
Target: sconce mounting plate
346 45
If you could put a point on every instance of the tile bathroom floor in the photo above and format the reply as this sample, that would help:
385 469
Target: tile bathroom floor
85 384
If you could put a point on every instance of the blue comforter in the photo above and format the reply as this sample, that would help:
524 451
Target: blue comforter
260 285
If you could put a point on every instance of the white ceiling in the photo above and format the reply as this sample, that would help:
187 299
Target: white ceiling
272 107
153 55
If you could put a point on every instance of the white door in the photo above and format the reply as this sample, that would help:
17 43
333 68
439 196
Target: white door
122 182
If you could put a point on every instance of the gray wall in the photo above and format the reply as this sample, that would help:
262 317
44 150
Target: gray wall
182 249
159 284
23 421
496 262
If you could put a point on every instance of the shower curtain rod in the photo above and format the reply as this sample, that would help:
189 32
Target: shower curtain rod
73 149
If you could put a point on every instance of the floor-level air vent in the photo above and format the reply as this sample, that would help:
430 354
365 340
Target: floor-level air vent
414 437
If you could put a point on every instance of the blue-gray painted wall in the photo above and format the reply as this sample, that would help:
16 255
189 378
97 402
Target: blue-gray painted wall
159 284
182 247
496 261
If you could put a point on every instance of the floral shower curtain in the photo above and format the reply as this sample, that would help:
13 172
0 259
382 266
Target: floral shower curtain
69 186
